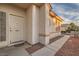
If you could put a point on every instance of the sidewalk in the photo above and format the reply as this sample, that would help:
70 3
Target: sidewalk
51 49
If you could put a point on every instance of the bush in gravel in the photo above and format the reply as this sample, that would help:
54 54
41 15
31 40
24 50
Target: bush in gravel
63 32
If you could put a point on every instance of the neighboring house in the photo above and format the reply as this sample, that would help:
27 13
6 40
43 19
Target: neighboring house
57 21
55 26
64 27
26 22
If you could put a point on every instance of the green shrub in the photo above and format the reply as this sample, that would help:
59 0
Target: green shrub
63 31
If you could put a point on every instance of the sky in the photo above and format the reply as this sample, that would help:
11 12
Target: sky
69 12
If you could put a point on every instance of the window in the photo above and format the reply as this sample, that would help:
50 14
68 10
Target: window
2 26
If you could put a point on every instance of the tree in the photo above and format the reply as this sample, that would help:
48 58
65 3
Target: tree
71 27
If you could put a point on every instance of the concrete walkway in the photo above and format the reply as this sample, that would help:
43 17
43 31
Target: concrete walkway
15 51
50 50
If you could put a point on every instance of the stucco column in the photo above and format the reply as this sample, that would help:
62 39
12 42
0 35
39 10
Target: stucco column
33 24
44 25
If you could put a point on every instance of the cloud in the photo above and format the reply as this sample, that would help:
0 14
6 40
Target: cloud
68 11
66 20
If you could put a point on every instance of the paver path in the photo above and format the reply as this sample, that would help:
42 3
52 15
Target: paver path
70 48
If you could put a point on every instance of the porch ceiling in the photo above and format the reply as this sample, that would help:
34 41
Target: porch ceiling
26 5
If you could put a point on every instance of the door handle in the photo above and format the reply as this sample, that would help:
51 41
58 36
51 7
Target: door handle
10 29
17 30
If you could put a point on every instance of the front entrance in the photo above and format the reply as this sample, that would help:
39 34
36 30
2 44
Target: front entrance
16 28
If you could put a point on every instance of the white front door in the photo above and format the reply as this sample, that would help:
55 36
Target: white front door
16 28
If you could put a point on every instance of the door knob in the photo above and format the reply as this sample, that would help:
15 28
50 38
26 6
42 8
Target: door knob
17 30
10 29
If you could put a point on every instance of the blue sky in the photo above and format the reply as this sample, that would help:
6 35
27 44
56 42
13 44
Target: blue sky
67 11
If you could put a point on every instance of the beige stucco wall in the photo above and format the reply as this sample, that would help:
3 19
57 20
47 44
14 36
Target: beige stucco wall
63 28
33 24
44 24
42 20
38 23
29 24
52 27
10 9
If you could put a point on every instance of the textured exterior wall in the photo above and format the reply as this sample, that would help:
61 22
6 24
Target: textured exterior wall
33 24
10 9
